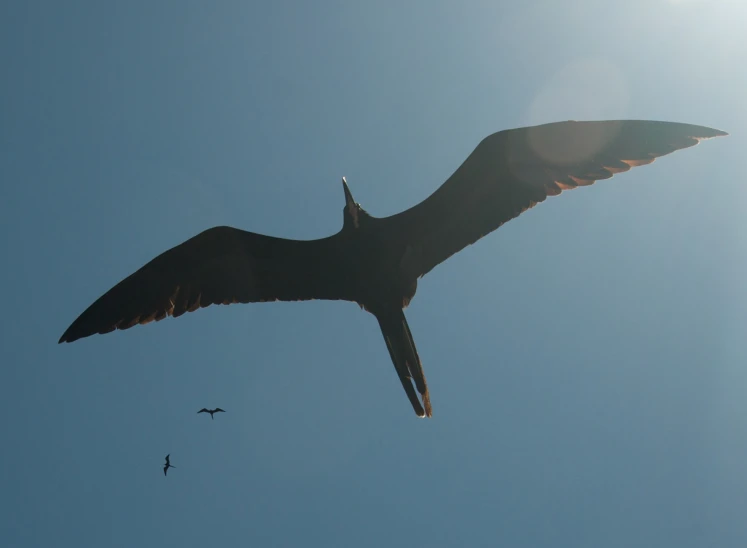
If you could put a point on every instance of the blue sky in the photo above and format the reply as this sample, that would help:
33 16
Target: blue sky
586 362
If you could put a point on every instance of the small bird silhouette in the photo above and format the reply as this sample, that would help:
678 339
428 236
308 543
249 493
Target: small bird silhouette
216 410
167 465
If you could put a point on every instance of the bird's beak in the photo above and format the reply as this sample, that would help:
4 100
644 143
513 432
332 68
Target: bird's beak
348 197
350 203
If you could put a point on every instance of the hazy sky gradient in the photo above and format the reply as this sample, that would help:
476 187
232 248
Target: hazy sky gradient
587 362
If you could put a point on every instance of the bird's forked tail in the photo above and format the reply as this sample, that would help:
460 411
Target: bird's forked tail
405 357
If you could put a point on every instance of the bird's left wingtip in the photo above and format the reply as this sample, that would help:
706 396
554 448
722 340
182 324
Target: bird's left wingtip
708 133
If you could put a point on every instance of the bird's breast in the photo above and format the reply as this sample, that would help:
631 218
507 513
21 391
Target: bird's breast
384 274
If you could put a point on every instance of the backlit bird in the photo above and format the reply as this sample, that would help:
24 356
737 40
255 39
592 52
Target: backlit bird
167 465
376 262
216 410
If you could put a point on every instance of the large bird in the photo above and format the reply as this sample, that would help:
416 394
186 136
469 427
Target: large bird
167 465
211 411
376 262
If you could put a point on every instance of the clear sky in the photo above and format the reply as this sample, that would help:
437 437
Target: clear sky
587 362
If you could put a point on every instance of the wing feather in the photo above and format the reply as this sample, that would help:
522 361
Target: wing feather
513 170
222 265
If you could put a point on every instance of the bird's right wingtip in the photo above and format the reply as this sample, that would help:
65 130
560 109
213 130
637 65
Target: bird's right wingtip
69 335
81 331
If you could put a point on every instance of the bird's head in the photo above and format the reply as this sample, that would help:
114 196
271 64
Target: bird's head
353 214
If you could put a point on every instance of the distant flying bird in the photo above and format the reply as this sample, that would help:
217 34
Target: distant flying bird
376 262
167 465
216 410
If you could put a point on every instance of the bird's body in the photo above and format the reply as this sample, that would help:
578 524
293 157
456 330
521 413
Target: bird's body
167 465
376 262
211 411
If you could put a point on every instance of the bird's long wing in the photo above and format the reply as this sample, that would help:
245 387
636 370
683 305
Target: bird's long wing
222 265
218 410
203 410
511 171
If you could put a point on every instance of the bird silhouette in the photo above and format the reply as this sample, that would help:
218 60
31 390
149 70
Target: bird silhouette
376 262
216 410
167 465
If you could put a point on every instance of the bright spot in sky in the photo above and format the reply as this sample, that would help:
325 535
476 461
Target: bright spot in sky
713 3
584 89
